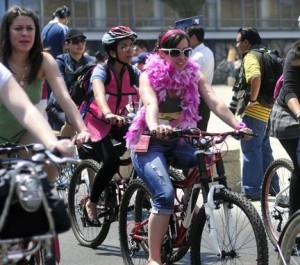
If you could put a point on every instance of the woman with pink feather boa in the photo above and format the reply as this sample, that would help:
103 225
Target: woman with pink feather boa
169 88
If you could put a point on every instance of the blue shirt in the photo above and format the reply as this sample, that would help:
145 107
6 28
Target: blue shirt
53 37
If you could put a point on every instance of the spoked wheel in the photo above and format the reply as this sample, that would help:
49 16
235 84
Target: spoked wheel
133 223
240 241
289 241
79 192
63 180
133 227
275 197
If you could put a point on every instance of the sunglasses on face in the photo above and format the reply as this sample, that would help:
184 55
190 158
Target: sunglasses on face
174 53
77 41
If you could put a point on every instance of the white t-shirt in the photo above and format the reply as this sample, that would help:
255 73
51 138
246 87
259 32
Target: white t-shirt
5 74
205 58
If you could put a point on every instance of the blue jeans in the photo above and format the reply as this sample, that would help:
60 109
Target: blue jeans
153 166
257 155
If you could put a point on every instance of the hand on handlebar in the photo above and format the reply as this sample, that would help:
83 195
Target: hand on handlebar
248 134
65 147
114 119
162 131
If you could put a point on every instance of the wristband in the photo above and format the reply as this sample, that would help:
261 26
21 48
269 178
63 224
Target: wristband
240 125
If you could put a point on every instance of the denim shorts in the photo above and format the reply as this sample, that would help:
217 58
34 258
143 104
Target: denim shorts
153 166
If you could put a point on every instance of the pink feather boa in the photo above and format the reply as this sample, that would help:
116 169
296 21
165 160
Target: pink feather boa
163 77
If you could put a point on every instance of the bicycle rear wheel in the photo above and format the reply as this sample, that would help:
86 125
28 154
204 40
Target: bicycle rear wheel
289 241
79 192
275 197
245 244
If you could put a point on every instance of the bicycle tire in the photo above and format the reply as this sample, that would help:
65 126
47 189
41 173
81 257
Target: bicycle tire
135 208
251 246
79 192
275 205
290 249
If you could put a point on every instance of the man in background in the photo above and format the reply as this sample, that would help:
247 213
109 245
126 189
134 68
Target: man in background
53 34
140 46
53 37
206 60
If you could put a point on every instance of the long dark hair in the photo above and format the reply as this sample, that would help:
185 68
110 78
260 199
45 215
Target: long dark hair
35 54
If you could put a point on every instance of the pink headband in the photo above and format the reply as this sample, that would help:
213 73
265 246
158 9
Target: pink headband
169 33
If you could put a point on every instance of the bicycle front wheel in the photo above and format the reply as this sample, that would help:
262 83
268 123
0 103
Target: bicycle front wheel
289 241
79 192
240 236
275 197
133 223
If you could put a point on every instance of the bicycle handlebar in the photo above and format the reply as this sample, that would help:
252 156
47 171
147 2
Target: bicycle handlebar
40 154
195 135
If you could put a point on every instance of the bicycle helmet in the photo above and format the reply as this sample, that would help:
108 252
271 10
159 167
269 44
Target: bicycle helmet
116 34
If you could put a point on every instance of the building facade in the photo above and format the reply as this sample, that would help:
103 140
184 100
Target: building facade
276 20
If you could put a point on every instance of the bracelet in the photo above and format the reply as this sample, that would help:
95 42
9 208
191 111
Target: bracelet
253 100
240 125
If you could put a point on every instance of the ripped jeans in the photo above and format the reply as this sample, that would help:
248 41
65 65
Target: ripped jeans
152 168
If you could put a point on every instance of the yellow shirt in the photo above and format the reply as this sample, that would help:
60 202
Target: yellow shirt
252 67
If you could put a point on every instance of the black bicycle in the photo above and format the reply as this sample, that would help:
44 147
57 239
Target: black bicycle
108 204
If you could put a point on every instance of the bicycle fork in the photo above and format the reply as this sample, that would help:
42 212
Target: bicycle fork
210 206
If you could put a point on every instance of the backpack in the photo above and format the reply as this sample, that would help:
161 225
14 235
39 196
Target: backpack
271 69
80 91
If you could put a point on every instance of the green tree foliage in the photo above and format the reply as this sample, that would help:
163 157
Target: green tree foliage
185 8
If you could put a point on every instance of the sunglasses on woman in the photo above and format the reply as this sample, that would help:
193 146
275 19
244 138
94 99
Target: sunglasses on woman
77 41
174 53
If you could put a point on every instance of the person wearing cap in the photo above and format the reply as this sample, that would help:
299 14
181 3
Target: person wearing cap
140 60
68 63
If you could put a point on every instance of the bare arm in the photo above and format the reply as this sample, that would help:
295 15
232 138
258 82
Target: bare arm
17 102
215 104
150 102
149 99
58 86
255 82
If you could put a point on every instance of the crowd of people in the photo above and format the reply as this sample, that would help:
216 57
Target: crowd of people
173 82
